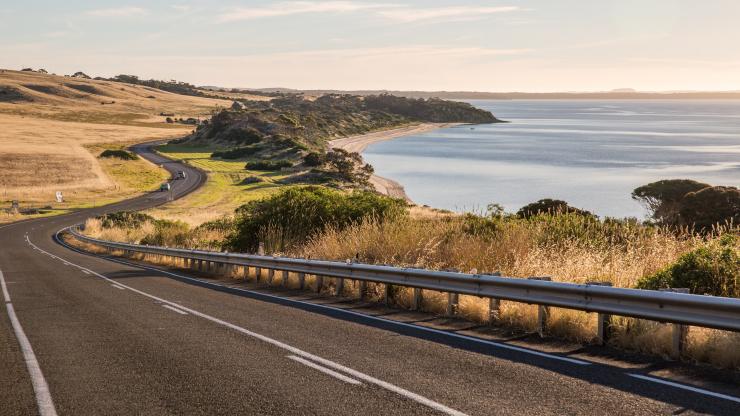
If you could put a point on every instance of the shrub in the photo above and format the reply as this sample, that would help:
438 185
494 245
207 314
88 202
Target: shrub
314 159
268 165
124 219
237 153
550 206
294 215
168 233
713 269
119 154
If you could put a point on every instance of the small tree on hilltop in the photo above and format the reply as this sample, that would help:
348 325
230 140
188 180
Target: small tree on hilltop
710 206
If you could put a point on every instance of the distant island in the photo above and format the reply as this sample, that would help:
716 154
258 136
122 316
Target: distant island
617 94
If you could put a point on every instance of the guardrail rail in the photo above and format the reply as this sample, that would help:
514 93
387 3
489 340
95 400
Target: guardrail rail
674 307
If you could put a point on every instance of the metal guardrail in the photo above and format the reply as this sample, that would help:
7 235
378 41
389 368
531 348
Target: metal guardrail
662 306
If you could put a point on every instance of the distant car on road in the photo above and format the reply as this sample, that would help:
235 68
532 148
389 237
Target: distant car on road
180 174
164 187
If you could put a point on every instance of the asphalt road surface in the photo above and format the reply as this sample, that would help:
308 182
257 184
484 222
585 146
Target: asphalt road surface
85 335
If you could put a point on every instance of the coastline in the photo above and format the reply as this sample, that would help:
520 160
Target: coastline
360 142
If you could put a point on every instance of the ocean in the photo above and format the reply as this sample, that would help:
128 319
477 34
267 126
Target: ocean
591 154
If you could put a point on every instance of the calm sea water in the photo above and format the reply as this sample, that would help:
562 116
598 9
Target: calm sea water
589 153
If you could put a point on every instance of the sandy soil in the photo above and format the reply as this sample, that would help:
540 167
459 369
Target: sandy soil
359 143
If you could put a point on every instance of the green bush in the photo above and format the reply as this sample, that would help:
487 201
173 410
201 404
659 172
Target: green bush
294 215
268 165
168 233
237 153
549 206
314 159
713 269
120 154
124 219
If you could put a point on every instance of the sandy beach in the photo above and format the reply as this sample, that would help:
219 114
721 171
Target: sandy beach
359 143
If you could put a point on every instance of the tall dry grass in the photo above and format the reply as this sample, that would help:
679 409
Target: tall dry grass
568 250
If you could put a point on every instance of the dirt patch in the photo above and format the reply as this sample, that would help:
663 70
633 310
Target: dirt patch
27 169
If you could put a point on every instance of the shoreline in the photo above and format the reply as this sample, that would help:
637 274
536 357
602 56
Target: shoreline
360 142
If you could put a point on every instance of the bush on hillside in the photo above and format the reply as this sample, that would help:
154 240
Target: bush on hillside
551 207
124 219
314 159
268 165
294 215
168 233
237 153
713 269
119 154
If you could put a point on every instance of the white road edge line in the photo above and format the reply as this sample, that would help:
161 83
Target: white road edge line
295 351
181 312
86 272
325 370
118 287
40 387
686 387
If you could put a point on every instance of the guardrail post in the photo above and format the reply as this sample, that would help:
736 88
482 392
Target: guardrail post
363 289
416 304
319 283
603 320
680 331
285 278
494 304
387 289
542 311
453 303
340 287
301 280
270 275
257 273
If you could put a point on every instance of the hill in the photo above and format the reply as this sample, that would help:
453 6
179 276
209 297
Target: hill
54 127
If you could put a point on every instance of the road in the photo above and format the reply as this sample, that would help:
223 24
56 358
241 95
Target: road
84 335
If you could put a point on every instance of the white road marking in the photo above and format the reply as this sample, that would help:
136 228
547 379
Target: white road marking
118 287
686 387
295 351
325 370
40 387
86 272
181 312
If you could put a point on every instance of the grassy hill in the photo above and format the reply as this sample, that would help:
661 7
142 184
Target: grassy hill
54 127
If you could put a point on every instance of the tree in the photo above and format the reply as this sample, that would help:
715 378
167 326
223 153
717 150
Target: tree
663 198
550 206
709 206
349 166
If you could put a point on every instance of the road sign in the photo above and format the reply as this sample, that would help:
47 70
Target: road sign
60 197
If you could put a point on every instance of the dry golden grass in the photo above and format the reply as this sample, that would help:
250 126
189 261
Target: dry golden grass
518 250
45 135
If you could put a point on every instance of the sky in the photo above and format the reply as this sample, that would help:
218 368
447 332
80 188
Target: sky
464 45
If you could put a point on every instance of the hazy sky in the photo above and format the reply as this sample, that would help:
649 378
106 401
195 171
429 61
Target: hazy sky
525 45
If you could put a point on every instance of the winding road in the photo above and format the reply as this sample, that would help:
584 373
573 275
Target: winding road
90 335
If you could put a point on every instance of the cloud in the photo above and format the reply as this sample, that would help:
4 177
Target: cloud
299 7
407 15
117 12
182 8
